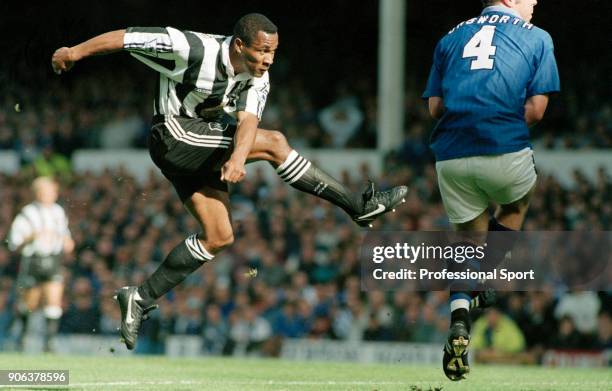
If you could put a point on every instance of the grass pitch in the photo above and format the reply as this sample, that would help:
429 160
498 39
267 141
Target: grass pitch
217 374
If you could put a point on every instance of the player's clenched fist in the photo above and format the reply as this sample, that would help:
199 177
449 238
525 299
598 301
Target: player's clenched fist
233 171
62 60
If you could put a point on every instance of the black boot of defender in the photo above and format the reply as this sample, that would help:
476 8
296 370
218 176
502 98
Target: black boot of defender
455 361
484 299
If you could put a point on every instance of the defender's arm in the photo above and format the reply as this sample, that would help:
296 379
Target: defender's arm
436 107
535 106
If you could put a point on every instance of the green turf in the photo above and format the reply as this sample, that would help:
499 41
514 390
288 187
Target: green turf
161 373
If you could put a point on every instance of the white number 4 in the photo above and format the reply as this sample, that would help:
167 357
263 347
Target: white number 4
481 47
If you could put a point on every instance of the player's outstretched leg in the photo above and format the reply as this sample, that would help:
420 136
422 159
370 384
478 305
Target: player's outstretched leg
211 208
136 302
303 175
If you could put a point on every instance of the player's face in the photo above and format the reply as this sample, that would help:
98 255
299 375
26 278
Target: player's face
46 193
525 8
259 55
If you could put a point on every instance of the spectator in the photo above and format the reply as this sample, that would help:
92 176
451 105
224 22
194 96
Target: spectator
537 320
289 323
496 337
567 336
341 120
249 331
215 331
83 315
582 307
603 336
188 319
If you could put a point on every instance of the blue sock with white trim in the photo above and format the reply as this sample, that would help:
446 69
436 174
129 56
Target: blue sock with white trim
183 260
460 306
301 174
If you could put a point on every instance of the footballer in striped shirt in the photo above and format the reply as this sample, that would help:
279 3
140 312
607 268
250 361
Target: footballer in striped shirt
210 95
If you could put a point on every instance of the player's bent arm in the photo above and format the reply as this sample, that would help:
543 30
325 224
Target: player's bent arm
535 107
233 170
245 134
64 58
436 107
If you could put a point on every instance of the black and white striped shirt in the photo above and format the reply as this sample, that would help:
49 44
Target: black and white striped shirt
48 225
196 77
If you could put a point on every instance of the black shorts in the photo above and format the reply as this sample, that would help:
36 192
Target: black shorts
190 152
35 270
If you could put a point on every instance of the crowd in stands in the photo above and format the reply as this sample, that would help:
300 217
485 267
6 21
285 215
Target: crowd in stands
89 113
305 252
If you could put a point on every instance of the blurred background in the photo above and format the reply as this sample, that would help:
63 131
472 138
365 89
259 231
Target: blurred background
331 97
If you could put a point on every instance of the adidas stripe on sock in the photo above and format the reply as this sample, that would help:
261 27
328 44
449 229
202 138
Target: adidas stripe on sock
293 167
301 174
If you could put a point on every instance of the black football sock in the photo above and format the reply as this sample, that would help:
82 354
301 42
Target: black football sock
462 264
24 317
52 317
301 174
183 260
500 242
460 289
51 325
460 305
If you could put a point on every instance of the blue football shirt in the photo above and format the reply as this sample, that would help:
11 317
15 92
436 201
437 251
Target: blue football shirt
485 69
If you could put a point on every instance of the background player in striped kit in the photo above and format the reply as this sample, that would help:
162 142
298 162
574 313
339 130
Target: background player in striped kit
40 234
211 93
489 82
